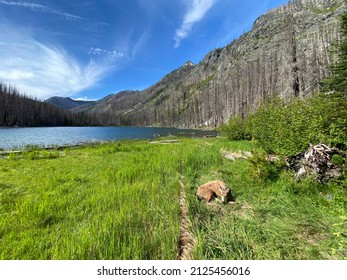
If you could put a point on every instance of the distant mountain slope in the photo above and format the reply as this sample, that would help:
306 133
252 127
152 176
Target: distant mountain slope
285 53
118 102
66 103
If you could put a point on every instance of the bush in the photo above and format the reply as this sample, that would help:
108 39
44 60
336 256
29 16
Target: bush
265 169
287 128
236 129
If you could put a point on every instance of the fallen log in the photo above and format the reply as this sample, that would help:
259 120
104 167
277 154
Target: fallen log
165 142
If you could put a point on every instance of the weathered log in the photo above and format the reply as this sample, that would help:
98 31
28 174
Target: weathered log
165 142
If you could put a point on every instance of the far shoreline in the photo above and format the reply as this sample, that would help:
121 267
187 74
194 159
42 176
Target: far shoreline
40 144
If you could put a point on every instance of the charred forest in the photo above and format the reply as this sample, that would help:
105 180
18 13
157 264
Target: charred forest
17 109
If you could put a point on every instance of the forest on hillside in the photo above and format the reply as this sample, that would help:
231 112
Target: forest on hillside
17 109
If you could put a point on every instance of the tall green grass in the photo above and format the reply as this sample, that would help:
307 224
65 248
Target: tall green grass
115 201
272 217
121 201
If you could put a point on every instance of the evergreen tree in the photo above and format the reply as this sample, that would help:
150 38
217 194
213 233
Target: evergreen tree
337 82
336 103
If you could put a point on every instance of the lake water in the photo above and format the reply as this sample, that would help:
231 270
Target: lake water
17 138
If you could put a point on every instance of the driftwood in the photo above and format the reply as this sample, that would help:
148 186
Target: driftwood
165 142
317 161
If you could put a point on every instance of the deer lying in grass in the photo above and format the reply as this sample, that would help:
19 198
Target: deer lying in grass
214 190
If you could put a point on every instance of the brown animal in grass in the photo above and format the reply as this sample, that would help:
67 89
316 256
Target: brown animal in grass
214 190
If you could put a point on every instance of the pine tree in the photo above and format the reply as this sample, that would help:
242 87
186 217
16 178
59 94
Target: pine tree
337 82
336 86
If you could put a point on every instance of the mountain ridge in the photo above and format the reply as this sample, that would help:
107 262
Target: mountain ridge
67 103
286 53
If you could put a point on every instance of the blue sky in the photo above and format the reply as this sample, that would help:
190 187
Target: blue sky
89 49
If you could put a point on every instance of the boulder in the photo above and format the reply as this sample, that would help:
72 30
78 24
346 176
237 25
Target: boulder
214 190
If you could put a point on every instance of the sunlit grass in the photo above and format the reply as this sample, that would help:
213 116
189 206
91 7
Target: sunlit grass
121 201
270 219
107 202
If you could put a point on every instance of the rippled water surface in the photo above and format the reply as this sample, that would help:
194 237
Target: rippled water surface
16 138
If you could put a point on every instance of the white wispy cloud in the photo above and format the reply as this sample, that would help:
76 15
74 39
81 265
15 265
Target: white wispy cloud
43 71
196 11
132 43
110 54
40 8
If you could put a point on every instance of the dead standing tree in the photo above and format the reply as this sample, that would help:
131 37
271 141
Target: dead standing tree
293 49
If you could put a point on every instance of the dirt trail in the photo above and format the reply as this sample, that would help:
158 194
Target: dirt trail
186 239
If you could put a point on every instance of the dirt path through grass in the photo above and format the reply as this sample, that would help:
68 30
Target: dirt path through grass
186 239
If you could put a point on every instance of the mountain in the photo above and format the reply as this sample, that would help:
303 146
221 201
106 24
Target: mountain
66 103
118 102
286 53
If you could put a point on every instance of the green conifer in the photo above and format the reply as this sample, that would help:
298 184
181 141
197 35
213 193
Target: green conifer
337 82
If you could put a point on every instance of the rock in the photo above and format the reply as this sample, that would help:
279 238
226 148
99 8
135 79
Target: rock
317 161
236 155
214 190
272 158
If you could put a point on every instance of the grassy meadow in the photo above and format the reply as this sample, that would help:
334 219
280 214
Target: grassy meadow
121 201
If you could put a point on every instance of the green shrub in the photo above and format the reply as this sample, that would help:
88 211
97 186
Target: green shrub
337 160
264 169
287 128
34 154
236 129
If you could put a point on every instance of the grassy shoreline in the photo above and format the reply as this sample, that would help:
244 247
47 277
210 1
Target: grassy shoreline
120 200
